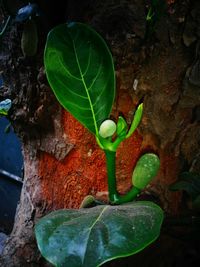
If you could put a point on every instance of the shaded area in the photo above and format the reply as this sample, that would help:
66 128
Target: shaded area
11 159
11 164
10 191
175 249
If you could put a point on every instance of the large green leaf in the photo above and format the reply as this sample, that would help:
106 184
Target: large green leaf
91 237
80 71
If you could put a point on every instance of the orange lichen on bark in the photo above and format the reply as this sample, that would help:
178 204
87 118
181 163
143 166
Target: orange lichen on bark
65 183
83 171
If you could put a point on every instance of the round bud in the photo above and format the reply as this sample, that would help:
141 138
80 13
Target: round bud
107 128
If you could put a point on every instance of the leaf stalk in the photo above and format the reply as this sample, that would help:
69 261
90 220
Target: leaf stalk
114 197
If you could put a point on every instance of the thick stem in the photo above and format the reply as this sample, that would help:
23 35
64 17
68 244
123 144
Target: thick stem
114 196
110 164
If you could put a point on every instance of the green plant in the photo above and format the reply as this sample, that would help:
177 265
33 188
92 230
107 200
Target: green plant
29 39
25 15
79 68
190 183
156 10
5 106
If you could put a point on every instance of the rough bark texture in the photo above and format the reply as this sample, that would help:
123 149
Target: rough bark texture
61 159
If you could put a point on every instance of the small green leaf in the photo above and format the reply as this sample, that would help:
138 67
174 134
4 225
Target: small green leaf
150 14
189 182
121 127
87 202
91 237
80 71
5 106
146 169
136 120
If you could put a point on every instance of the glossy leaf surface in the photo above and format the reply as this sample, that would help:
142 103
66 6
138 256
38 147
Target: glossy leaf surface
121 127
91 237
80 71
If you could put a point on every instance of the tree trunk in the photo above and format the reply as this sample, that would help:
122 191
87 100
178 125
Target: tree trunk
62 162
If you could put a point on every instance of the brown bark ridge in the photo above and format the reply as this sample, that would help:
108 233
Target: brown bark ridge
61 159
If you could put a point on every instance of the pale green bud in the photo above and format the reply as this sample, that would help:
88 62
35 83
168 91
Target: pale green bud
146 169
107 128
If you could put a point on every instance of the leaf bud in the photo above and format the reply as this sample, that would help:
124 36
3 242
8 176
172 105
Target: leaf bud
107 128
146 169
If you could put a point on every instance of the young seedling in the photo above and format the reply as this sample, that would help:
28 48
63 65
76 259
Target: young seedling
80 71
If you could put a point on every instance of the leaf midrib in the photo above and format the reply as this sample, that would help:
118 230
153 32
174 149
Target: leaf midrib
98 218
85 86
90 229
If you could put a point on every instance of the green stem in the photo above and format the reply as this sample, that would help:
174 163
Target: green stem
130 196
114 196
112 187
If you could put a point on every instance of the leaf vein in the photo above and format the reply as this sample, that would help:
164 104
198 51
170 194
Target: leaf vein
86 89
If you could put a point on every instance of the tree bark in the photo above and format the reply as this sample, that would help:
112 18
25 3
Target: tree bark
62 161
